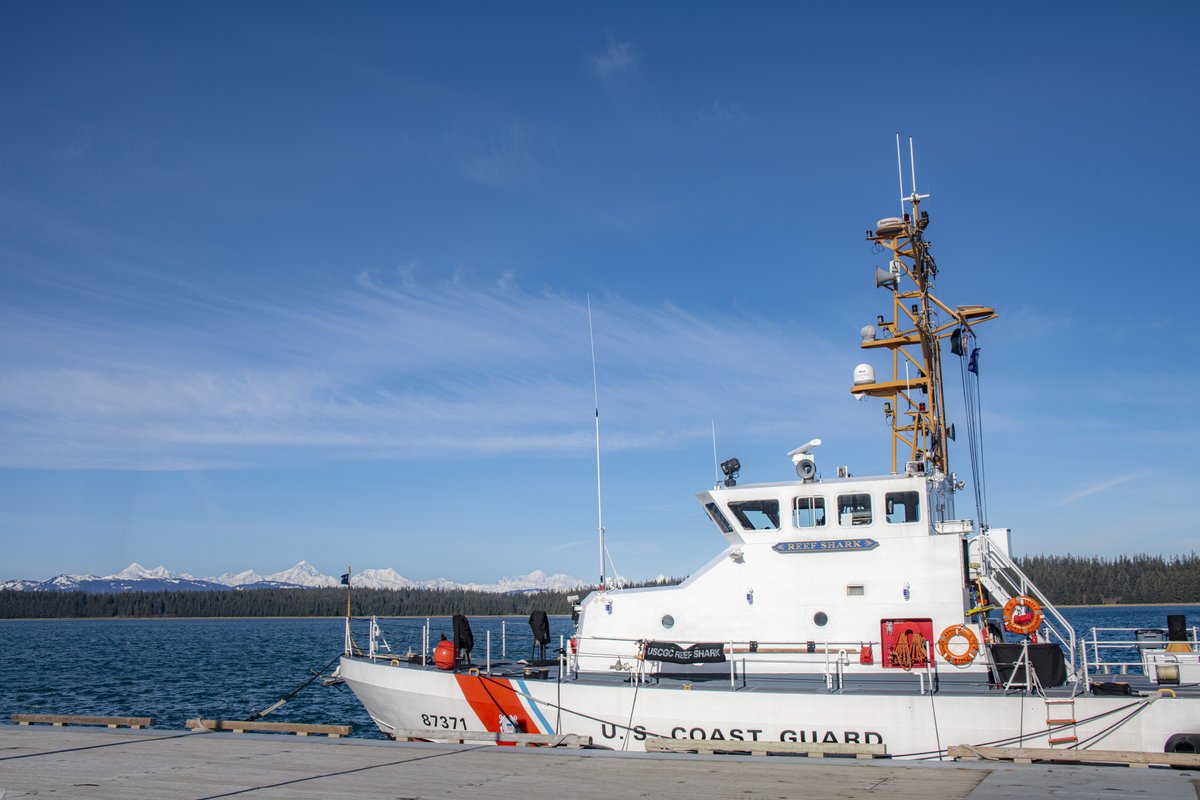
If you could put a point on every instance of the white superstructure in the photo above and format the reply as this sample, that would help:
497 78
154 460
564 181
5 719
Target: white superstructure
822 561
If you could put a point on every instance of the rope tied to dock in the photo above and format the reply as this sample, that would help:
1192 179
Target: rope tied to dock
281 701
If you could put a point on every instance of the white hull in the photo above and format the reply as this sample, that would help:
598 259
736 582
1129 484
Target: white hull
622 716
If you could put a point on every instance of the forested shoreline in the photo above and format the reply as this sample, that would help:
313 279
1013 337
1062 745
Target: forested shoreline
1082 580
1066 580
276 603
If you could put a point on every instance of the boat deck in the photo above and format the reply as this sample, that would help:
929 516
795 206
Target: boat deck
157 765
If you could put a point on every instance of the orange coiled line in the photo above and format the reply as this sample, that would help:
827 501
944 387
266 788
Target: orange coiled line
910 651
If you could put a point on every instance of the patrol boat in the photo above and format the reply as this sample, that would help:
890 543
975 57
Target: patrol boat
857 611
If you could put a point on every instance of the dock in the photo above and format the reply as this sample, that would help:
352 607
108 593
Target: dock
106 763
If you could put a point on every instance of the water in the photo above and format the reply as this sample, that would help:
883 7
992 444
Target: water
180 669
176 669
1086 618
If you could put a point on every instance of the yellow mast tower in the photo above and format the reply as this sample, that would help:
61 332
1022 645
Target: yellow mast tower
919 322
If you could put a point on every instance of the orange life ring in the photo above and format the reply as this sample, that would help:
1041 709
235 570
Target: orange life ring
958 659
1026 623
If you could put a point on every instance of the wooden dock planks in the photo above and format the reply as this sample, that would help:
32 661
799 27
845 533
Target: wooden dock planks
1028 755
76 719
242 726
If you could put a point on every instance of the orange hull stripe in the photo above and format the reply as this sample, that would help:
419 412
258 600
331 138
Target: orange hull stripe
491 697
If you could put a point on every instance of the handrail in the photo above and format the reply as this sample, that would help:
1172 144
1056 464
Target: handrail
1142 648
997 562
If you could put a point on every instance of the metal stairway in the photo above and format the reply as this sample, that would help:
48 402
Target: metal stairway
1004 580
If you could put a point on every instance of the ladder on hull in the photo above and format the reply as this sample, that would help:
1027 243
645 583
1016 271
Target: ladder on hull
1060 719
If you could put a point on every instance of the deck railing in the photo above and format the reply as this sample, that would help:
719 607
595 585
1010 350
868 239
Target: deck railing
829 661
1120 651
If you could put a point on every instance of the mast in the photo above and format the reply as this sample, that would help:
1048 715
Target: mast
918 323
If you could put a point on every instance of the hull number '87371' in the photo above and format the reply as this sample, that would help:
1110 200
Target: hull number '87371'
441 721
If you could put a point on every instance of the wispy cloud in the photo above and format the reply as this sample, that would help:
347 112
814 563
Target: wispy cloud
616 66
178 377
1098 488
619 58
508 158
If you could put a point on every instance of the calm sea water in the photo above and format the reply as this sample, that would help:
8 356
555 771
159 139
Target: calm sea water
176 669
180 669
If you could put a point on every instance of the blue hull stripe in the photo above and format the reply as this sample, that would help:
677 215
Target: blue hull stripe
533 706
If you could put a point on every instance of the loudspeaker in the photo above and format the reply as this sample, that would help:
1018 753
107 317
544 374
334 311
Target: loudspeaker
885 278
806 469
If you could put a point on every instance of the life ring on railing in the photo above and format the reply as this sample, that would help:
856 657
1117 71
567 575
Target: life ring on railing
965 657
1028 620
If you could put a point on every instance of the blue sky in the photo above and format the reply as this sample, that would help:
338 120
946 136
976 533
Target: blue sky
308 281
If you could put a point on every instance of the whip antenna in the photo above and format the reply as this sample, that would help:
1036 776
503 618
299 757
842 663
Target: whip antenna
912 162
596 398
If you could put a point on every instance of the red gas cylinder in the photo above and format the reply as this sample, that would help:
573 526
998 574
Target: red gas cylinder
443 654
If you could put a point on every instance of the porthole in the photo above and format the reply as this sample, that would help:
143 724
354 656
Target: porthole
820 618
668 621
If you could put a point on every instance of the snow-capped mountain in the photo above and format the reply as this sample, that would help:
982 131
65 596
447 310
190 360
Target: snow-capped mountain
303 574
68 582
382 579
135 577
136 572
533 582
242 578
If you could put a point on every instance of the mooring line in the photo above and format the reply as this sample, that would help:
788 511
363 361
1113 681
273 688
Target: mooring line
260 714
342 772
139 740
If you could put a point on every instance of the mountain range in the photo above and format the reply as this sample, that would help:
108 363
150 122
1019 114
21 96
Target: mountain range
136 578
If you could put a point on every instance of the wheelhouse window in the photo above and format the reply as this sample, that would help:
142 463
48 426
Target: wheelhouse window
854 509
903 507
808 512
716 516
757 515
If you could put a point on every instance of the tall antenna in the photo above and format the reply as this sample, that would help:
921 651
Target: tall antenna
912 162
596 398
900 172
